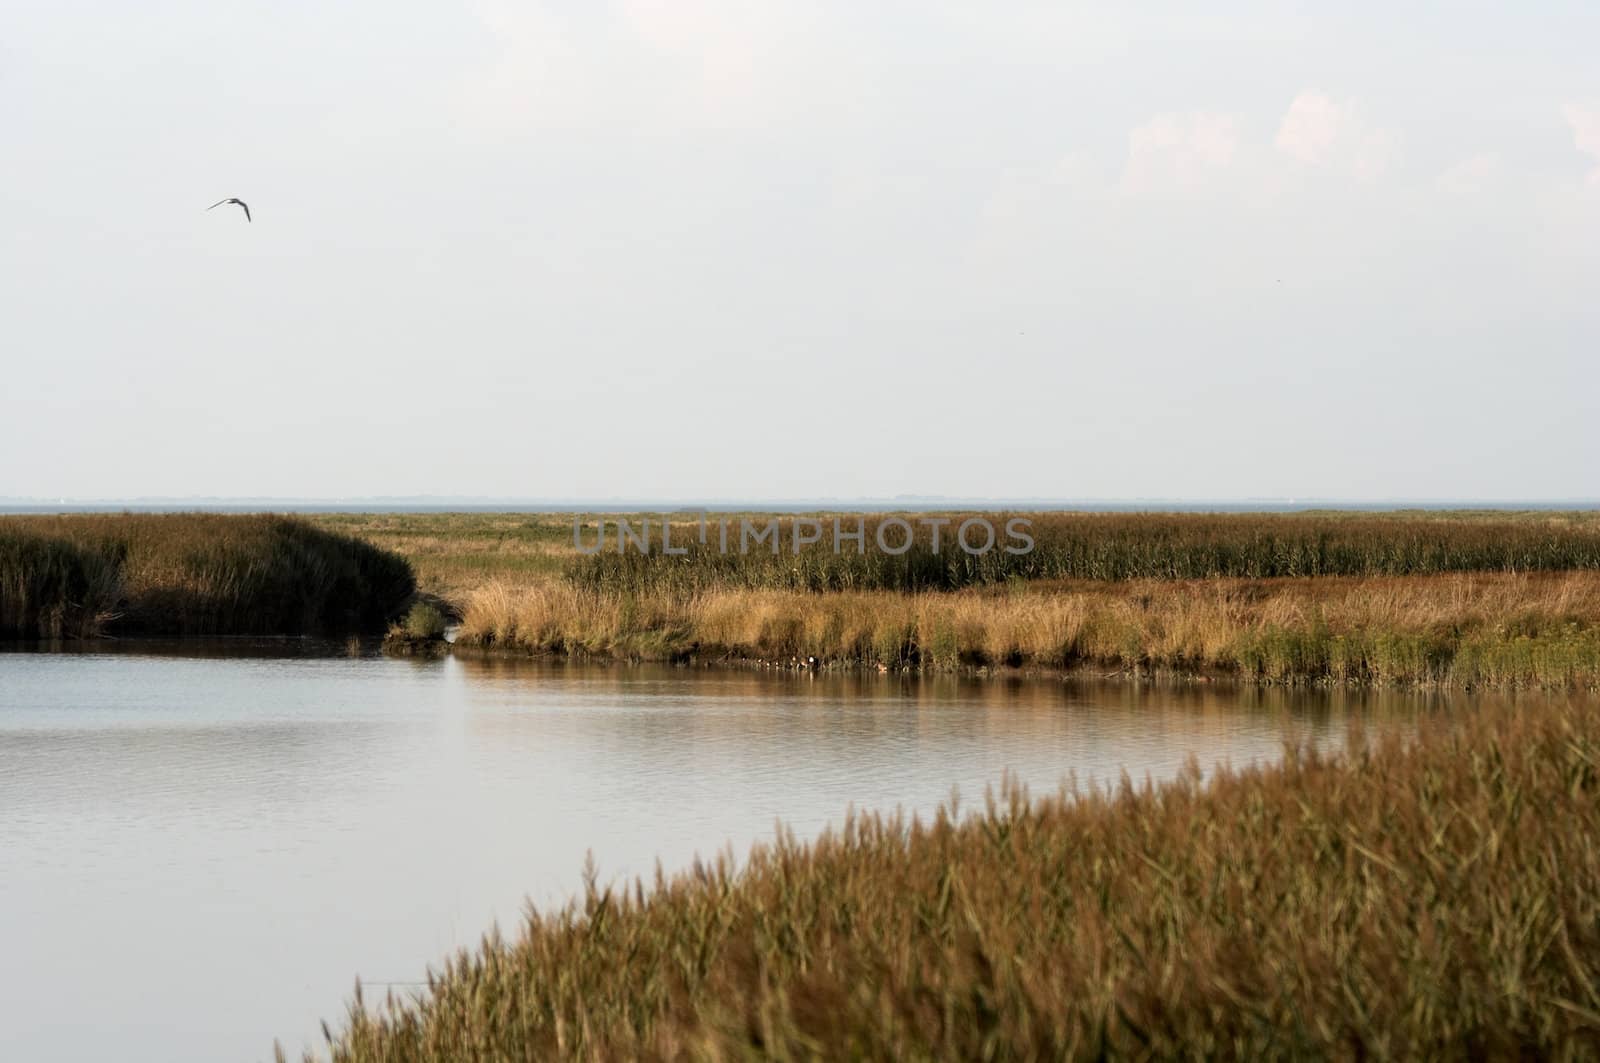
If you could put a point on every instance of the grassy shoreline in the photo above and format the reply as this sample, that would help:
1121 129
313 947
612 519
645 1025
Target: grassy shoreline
1439 599
1432 897
1457 630
1467 599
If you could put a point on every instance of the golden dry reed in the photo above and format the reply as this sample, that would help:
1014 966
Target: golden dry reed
191 574
1465 629
1431 898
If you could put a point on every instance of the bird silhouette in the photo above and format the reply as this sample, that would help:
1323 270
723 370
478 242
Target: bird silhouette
234 199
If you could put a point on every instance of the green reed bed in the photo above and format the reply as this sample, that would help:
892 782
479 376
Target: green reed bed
191 574
1092 546
1437 897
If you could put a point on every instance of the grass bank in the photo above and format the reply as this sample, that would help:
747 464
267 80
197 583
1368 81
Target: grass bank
1464 629
1452 598
1429 899
191 574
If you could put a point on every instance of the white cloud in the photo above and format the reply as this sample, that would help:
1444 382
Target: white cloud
1310 128
1585 123
1179 150
1318 131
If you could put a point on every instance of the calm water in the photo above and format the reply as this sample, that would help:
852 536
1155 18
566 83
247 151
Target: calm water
199 854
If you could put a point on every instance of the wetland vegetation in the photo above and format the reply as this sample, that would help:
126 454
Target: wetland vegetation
1432 894
1432 897
1450 599
1454 599
1460 629
191 574
1077 546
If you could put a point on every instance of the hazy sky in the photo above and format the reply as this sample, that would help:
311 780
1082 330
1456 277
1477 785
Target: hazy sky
752 249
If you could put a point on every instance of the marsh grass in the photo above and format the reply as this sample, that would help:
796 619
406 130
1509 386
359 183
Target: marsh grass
1459 598
191 574
1426 898
424 621
455 553
1096 546
54 588
1463 630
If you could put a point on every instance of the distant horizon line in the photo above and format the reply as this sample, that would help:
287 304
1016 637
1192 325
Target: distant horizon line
803 503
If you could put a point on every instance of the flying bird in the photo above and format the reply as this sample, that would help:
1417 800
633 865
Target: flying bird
233 199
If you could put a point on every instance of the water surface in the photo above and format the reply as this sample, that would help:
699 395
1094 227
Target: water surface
200 853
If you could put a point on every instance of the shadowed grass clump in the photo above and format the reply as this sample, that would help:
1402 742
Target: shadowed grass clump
53 588
1081 546
1426 898
191 574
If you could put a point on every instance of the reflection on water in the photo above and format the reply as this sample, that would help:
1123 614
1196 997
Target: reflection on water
200 852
